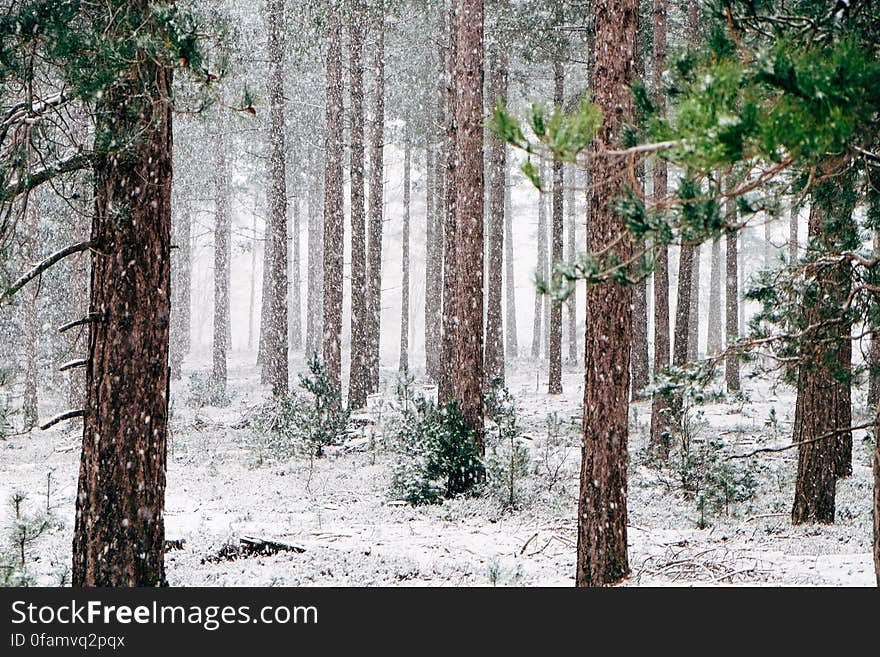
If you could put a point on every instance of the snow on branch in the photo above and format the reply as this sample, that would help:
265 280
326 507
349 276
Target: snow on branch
43 266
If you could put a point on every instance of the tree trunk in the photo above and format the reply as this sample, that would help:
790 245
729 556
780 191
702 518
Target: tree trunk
694 311
660 403
571 254
873 194
315 264
432 301
793 235
296 337
275 355
497 156
541 270
30 321
359 373
445 385
468 110
377 184
554 384
511 338
119 529
602 514
823 398
731 361
683 305
713 332
333 207
252 298
222 255
403 365
877 502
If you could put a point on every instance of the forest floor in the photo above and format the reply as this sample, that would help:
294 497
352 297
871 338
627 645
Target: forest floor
227 480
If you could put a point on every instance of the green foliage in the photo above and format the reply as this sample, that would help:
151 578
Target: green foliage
319 418
24 530
507 459
437 456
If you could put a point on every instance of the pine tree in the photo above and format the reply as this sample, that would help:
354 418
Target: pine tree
358 381
222 254
602 513
333 209
554 386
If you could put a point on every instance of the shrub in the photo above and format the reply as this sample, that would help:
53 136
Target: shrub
437 455
23 532
203 391
318 418
508 459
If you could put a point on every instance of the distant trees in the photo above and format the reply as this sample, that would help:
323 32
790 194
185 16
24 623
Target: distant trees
222 254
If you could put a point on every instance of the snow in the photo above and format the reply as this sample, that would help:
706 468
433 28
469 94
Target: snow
225 481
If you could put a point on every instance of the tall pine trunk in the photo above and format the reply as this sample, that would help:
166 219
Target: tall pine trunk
30 320
731 316
222 252
252 297
119 530
403 364
468 110
314 264
495 267
713 329
275 355
377 185
694 311
511 342
333 234
554 383
358 380
295 279
445 384
541 270
571 254
823 396
602 513
660 403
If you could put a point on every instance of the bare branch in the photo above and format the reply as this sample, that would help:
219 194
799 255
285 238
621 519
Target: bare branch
61 417
43 266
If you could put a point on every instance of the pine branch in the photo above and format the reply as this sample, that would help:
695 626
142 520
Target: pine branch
43 266
32 180
61 417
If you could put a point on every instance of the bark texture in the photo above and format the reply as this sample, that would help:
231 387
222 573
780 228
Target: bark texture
222 254
358 381
468 109
275 277
602 514
554 384
119 529
333 209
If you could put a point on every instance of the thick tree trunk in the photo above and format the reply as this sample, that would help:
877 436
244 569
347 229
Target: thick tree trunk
874 348
222 253
358 380
602 514
683 306
660 403
468 110
713 331
333 234
731 316
275 355
823 401
403 365
511 339
877 502
497 163
119 531
377 185
554 384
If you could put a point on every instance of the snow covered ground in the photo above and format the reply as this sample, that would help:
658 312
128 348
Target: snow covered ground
225 482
